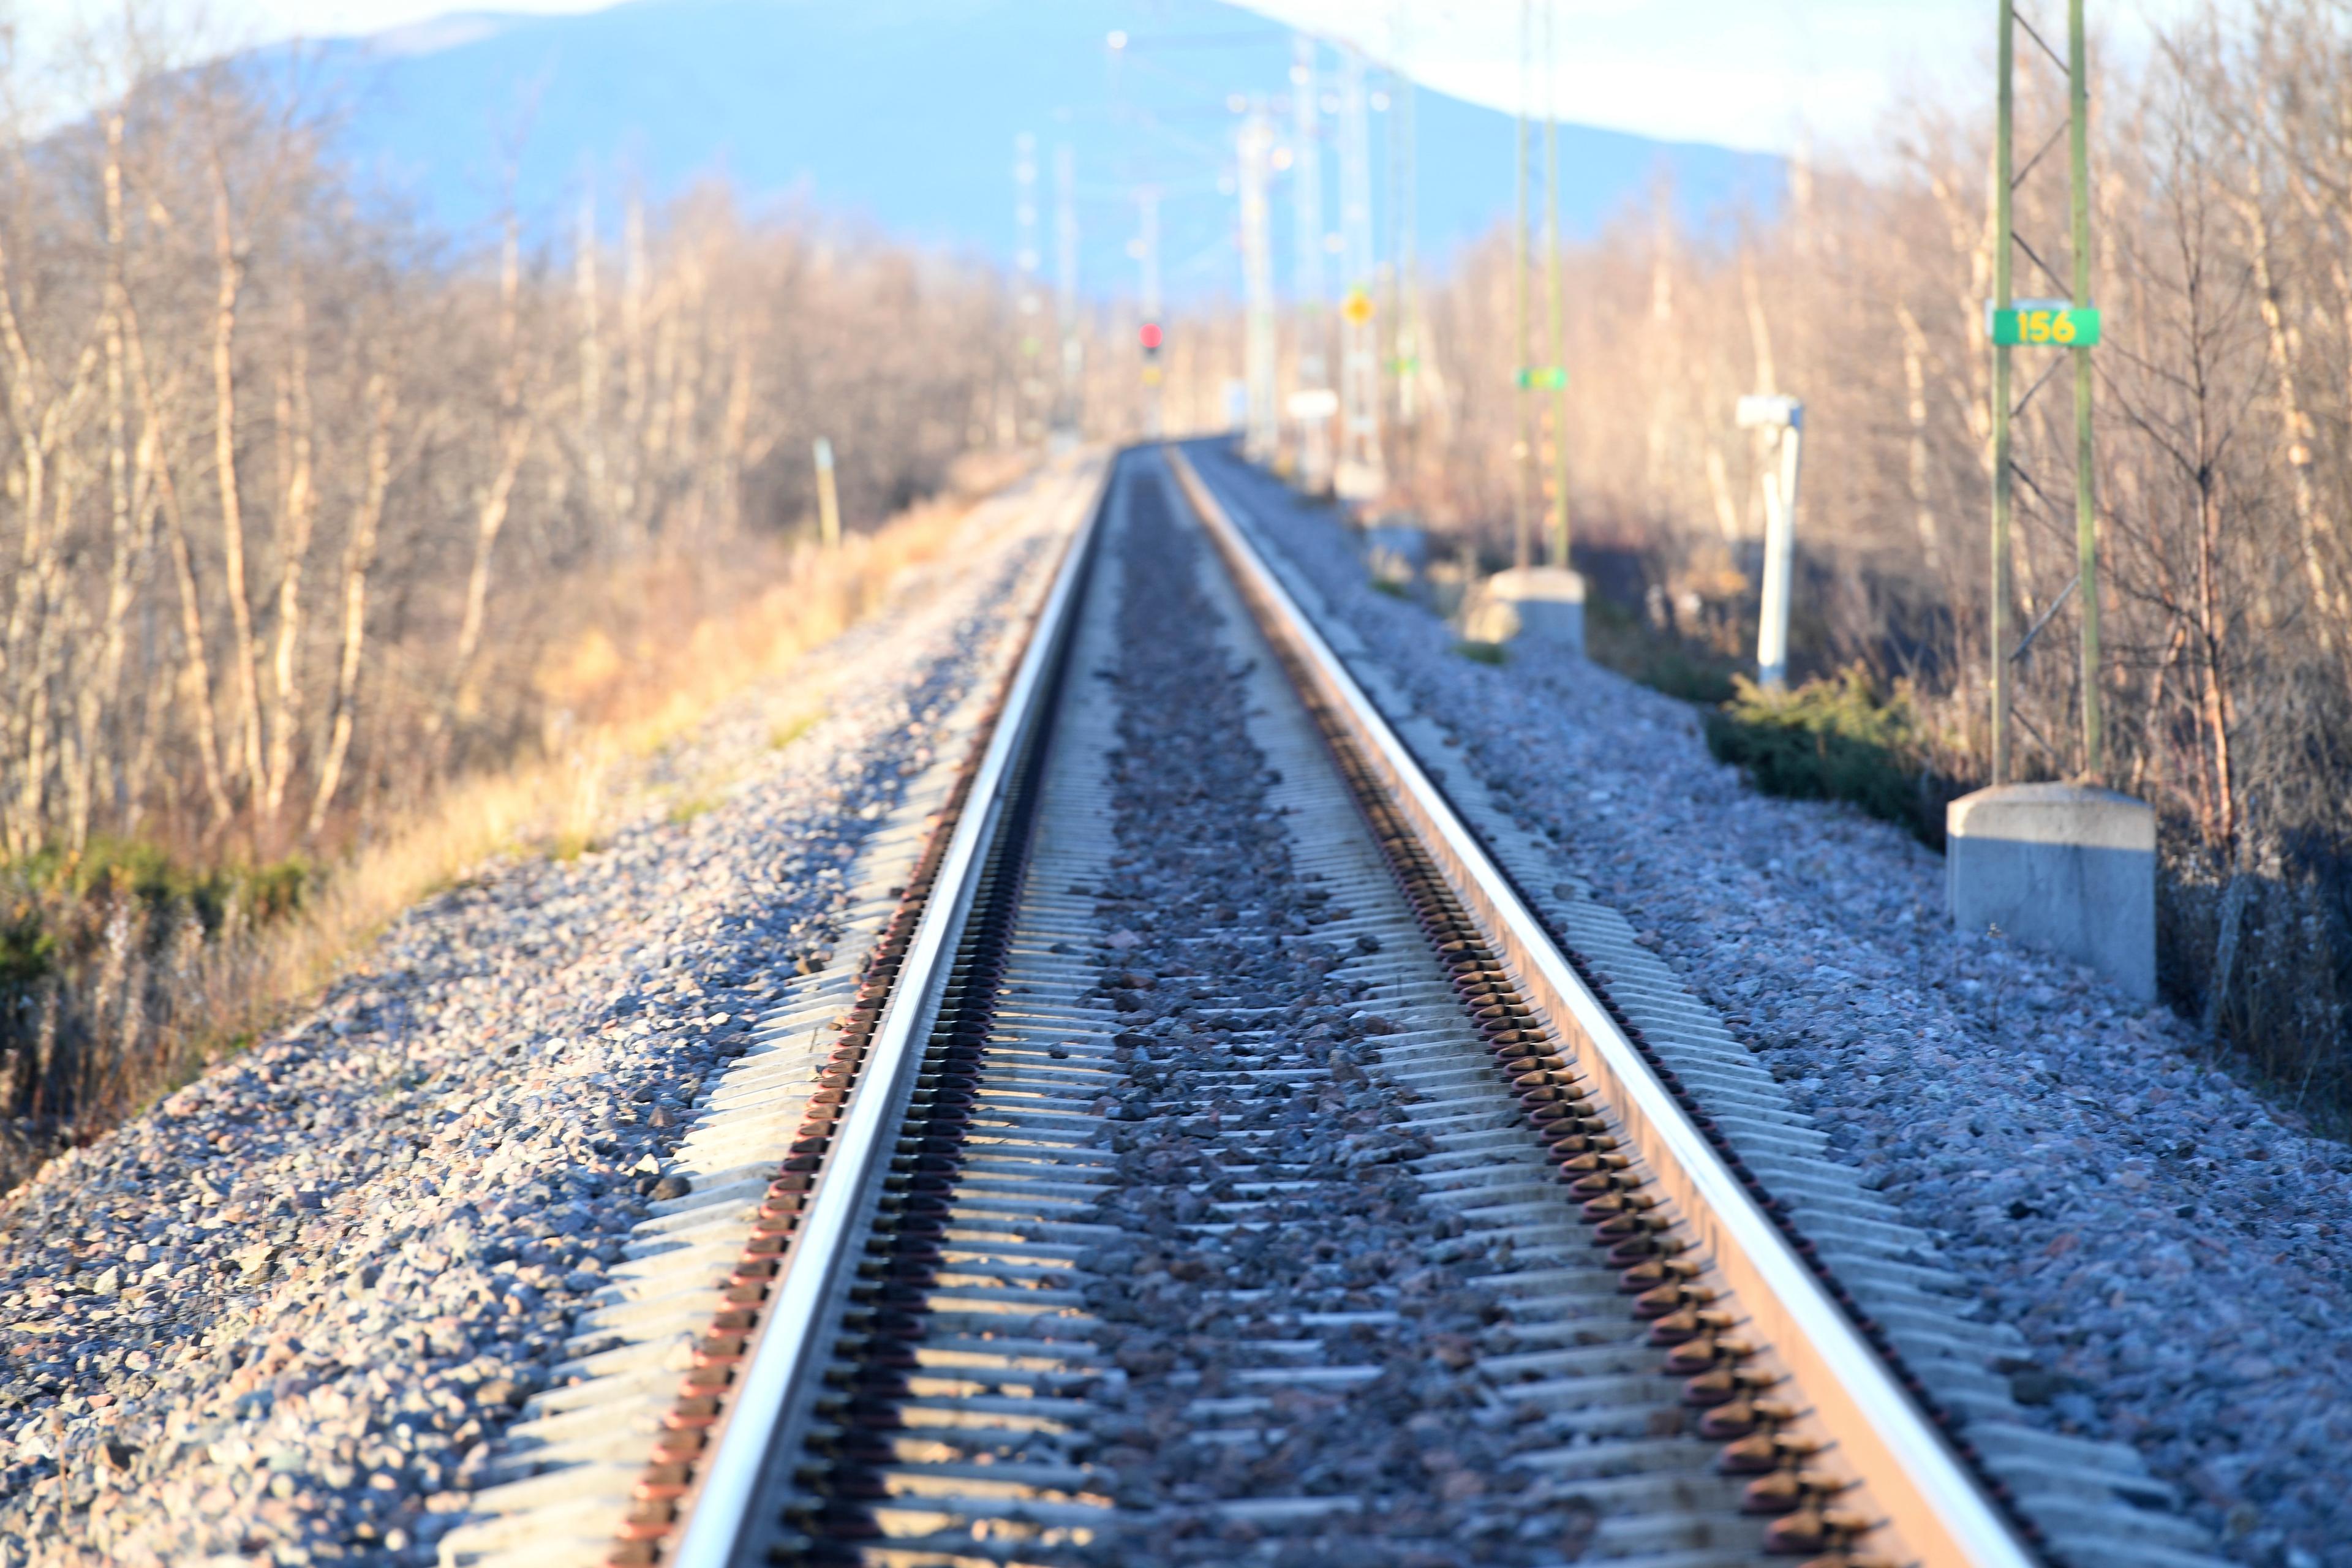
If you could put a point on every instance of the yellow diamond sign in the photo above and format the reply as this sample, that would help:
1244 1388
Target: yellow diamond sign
1358 307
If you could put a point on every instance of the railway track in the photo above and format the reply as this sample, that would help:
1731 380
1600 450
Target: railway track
1208 1149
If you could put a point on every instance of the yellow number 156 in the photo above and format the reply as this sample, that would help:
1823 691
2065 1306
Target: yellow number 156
2048 327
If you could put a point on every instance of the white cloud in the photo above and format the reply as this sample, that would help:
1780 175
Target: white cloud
1741 73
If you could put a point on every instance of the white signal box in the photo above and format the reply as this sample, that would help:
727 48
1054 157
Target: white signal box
1785 417
1759 412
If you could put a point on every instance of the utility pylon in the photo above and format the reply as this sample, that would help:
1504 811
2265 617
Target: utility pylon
1359 475
1254 147
1311 310
1027 261
1066 283
2070 324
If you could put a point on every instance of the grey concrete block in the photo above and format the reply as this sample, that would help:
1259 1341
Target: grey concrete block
1538 604
2067 867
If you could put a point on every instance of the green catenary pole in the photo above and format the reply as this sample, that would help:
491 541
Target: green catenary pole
2086 534
1559 333
1522 523
2002 287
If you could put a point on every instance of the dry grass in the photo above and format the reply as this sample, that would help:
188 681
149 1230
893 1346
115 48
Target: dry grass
166 999
640 708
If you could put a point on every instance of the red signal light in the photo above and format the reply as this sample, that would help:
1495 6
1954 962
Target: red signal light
1151 337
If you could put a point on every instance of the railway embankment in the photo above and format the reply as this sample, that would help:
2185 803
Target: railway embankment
284 1316
2175 1245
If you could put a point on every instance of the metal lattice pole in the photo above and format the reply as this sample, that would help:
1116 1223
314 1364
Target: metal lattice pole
2086 532
2003 298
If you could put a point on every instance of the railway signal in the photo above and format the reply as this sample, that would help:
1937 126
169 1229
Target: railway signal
1146 250
1151 338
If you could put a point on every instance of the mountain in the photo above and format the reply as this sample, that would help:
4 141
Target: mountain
902 113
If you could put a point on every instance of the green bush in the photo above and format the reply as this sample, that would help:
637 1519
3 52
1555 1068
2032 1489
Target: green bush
55 903
28 947
148 872
1839 739
1620 639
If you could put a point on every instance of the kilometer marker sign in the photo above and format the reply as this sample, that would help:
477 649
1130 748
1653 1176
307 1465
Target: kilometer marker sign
1543 377
2037 323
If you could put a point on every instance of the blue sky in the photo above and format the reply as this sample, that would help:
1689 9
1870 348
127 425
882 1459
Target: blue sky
1758 74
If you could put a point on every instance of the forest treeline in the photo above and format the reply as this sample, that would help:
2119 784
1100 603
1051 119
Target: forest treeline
2222 260
309 510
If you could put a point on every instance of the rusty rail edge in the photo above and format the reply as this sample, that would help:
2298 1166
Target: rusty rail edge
1933 1505
756 1369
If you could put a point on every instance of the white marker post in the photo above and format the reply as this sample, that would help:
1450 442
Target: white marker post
1785 416
829 500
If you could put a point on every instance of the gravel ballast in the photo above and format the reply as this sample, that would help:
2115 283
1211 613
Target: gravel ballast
2176 1248
1262 1202
283 1317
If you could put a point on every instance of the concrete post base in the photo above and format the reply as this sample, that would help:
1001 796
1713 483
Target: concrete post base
2068 868
1536 603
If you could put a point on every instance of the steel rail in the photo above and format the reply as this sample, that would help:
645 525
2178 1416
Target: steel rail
787 1352
1930 1500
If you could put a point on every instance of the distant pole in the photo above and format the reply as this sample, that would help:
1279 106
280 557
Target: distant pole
1065 279
1146 239
1027 261
1780 562
1401 134
2003 297
1307 232
1523 457
828 498
1552 299
2086 534
1255 146
1359 376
